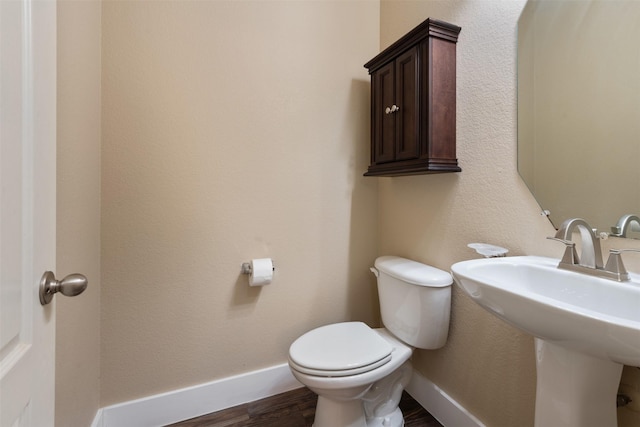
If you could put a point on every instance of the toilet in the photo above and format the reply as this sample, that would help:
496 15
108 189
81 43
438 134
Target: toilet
358 372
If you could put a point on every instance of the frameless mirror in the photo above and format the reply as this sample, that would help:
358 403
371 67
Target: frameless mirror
579 108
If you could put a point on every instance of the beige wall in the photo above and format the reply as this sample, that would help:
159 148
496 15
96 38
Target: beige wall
231 131
237 130
487 366
78 211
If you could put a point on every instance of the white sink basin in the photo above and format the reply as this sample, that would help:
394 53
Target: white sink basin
586 328
596 316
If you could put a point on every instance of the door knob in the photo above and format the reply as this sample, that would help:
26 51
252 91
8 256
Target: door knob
70 286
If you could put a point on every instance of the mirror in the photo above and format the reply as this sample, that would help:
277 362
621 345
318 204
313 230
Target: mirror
579 108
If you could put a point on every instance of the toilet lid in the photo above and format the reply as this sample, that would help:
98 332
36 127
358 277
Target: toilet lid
340 349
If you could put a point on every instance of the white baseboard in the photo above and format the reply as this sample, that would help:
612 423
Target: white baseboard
182 404
439 404
178 405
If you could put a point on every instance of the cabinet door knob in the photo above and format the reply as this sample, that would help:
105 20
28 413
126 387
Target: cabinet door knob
391 109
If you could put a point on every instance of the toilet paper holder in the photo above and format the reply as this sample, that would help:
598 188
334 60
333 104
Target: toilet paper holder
246 267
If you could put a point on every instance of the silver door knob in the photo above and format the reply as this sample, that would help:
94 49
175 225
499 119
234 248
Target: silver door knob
70 286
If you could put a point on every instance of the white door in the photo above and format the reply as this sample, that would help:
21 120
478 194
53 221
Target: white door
27 210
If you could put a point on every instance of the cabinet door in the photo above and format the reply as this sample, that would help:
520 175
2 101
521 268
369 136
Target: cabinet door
407 132
384 122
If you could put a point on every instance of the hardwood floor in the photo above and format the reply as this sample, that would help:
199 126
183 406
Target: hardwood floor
293 409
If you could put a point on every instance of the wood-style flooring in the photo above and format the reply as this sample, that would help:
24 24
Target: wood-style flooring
293 409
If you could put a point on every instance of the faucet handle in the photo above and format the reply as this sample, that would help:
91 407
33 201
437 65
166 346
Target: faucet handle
615 264
619 251
570 255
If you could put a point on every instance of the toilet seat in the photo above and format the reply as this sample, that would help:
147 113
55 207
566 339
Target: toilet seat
339 349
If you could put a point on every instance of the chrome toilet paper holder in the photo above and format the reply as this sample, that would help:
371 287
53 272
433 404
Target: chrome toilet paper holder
246 267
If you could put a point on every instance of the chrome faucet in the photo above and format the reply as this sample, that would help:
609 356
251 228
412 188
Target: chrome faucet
624 225
590 259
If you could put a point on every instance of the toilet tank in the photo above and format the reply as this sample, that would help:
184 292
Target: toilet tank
415 301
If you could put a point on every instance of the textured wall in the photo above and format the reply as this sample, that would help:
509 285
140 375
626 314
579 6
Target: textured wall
78 211
231 130
487 366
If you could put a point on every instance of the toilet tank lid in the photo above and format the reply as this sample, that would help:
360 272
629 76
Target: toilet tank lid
413 272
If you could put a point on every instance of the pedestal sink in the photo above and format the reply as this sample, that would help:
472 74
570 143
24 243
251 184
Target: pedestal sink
586 328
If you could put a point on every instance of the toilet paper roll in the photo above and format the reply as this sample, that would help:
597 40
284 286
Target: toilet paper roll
261 272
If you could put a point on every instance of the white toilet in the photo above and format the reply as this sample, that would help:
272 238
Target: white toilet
358 372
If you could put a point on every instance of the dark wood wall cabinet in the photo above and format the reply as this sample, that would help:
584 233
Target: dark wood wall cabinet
413 103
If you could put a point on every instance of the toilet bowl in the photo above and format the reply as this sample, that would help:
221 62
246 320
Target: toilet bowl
359 372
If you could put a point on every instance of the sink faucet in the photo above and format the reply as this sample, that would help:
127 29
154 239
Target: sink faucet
624 225
591 255
590 259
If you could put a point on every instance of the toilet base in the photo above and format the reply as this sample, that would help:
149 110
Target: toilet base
395 419
330 413
372 406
